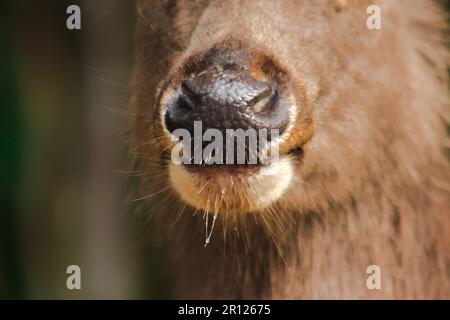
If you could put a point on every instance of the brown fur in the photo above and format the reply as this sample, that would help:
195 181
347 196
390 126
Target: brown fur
373 186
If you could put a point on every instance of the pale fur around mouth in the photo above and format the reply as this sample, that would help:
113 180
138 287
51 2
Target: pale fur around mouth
225 193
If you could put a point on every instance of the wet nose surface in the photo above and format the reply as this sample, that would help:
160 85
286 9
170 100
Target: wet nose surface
226 99
236 89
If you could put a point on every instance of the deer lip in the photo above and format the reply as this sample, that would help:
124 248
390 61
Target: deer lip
240 188
225 169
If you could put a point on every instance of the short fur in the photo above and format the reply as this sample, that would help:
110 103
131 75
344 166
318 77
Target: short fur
373 185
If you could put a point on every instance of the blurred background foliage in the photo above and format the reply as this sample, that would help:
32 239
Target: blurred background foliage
63 97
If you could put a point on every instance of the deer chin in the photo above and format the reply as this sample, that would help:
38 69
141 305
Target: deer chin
232 189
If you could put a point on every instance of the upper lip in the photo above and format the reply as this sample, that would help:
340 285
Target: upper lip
226 169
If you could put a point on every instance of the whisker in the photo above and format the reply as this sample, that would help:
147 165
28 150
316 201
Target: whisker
151 195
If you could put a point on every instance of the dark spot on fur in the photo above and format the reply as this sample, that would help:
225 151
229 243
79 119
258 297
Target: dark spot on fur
395 220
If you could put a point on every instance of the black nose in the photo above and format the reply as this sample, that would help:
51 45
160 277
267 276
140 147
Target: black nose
226 99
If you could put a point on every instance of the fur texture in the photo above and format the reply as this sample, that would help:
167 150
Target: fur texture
373 185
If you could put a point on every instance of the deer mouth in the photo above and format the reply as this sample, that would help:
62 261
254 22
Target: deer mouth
229 115
232 189
250 178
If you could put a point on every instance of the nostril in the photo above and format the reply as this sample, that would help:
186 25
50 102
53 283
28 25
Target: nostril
180 108
188 99
262 102
180 111
184 105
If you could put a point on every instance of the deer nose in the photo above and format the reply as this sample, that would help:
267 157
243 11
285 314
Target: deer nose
226 99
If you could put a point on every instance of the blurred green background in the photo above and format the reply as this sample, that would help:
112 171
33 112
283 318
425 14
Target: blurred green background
63 97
